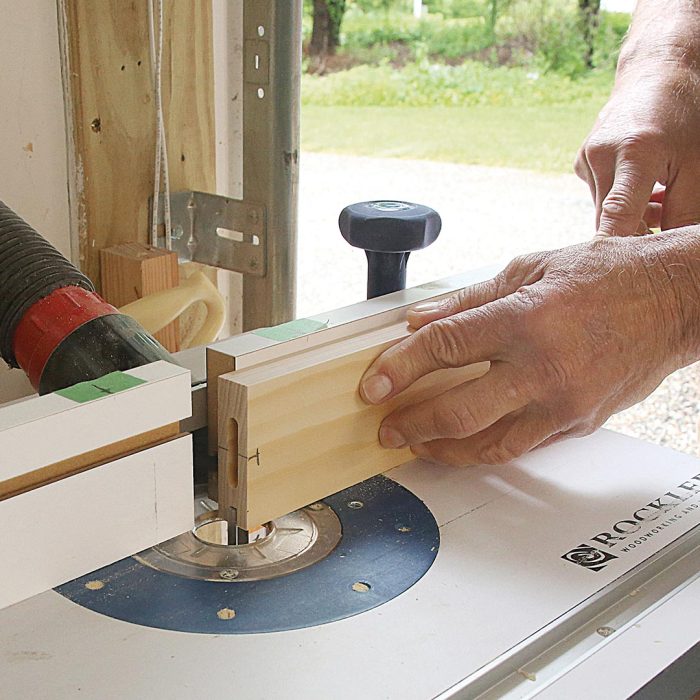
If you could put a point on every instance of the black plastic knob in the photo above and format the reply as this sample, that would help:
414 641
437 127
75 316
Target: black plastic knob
388 231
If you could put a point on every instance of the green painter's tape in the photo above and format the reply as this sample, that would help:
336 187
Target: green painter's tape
291 329
99 388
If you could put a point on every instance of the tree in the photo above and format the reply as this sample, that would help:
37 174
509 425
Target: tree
325 35
494 8
589 11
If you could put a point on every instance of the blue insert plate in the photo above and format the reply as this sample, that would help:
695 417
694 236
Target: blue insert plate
387 545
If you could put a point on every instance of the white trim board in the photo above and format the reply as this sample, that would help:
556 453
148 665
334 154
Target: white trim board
63 530
40 431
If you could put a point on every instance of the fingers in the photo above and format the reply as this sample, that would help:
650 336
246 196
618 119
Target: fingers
681 202
583 170
623 207
504 441
454 333
599 161
521 271
471 336
653 211
652 215
458 413
621 180
604 180
467 298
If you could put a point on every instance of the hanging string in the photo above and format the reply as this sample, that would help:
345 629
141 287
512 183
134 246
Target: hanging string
155 36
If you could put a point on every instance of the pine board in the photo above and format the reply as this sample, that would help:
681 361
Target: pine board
294 430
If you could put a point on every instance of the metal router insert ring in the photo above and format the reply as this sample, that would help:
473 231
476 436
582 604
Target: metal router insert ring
290 543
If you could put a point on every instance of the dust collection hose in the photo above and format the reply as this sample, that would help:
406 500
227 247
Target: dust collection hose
52 322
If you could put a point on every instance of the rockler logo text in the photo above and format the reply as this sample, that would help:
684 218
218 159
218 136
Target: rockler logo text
638 528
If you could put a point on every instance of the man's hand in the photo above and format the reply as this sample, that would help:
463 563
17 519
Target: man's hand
573 336
649 131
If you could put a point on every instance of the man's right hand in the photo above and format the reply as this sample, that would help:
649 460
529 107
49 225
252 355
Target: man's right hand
573 336
649 131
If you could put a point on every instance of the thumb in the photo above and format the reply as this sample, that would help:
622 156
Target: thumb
624 206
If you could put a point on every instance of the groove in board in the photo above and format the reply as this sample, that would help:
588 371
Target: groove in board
302 430
88 460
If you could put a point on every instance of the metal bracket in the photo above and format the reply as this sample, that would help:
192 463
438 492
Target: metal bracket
217 231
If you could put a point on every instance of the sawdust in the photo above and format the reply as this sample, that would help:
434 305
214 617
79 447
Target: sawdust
94 585
361 587
226 614
526 674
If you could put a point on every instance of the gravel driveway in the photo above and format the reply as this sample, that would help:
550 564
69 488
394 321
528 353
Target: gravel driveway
489 215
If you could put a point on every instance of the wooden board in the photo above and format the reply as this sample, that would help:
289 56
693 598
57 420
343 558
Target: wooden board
131 271
295 430
68 467
45 430
252 348
58 532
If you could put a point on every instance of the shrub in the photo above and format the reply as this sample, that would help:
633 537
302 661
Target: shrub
549 32
611 32
544 35
447 38
425 84
456 8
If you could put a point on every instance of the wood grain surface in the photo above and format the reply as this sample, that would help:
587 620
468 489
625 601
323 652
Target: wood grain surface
111 96
295 430
131 271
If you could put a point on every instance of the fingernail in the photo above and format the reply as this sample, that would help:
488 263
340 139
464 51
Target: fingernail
426 306
376 387
391 438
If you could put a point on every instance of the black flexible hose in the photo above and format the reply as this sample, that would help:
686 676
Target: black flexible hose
30 269
52 323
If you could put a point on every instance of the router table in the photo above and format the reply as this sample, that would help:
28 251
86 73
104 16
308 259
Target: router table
419 582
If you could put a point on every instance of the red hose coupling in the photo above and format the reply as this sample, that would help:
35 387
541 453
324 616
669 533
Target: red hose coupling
49 321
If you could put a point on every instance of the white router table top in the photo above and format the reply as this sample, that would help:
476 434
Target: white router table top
498 581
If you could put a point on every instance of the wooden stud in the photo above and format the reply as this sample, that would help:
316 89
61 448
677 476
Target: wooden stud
295 430
131 271
107 77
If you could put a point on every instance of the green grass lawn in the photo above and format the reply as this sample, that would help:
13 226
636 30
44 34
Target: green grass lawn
541 137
